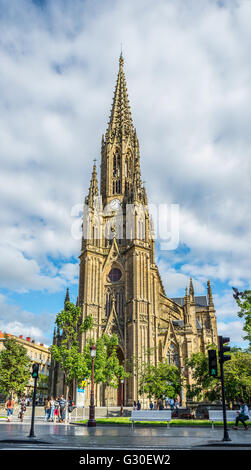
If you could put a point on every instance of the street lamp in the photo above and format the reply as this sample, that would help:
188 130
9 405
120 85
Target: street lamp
92 421
122 397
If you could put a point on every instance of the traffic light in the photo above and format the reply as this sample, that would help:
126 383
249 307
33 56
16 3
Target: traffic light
35 368
212 360
223 349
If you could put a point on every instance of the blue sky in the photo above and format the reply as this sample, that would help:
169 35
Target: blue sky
188 73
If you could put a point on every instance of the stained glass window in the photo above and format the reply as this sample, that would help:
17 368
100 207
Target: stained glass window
115 275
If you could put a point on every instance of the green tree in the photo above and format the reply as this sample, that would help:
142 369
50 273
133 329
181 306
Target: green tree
15 367
204 386
67 353
160 381
237 375
138 367
243 300
107 368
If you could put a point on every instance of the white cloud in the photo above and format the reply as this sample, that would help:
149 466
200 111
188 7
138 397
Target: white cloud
188 72
16 328
16 321
234 331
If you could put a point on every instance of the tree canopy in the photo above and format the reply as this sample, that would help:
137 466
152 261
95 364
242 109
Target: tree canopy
237 377
67 353
15 367
159 381
108 369
243 300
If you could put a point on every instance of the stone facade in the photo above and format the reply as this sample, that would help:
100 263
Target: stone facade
119 281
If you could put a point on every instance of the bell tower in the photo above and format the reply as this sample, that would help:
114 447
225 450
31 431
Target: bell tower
119 281
117 247
120 147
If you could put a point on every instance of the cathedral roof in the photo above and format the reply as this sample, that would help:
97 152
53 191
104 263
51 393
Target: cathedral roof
200 301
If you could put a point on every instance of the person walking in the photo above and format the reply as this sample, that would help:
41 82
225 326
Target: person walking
47 409
70 408
151 405
161 406
62 403
171 403
138 405
243 415
52 408
56 410
9 406
134 406
176 404
22 409
155 406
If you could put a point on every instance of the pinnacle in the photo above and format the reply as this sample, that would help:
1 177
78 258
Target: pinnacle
120 117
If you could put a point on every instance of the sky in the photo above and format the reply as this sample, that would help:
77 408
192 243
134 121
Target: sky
188 72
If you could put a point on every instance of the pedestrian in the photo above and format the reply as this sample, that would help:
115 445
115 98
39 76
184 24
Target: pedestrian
166 402
70 408
243 415
151 405
46 408
52 408
176 404
56 410
138 405
161 406
62 403
155 406
9 406
134 405
171 403
22 409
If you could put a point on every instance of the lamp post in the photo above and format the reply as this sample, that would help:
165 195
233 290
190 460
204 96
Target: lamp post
92 421
34 374
122 397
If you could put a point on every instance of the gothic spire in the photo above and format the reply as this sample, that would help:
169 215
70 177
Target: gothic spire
67 296
93 189
120 122
209 294
191 290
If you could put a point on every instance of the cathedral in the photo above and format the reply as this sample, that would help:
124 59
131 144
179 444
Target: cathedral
119 281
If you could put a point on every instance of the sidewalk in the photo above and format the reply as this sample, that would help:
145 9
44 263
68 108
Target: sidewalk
72 436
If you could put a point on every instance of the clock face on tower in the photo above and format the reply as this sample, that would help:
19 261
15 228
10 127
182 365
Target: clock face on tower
115 204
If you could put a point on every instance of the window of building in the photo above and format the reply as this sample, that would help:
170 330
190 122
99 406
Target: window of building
115 275
173 355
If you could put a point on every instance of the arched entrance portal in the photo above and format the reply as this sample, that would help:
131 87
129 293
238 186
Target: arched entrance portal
120 392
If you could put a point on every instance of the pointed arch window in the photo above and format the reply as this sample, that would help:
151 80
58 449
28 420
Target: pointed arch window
95 235
173 355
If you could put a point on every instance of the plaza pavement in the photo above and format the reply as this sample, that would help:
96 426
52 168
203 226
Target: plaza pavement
14 435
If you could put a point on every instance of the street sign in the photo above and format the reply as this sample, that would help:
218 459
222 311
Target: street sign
80 397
